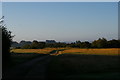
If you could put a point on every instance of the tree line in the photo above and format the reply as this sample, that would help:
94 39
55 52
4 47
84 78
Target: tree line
99 43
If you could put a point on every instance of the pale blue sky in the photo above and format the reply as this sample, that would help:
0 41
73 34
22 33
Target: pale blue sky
60 0
67 21
0 9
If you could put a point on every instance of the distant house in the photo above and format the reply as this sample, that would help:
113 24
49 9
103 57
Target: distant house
50 41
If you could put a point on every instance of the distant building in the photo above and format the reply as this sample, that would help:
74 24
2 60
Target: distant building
50 41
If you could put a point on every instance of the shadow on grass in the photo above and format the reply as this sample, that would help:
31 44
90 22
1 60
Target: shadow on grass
19 58
76 66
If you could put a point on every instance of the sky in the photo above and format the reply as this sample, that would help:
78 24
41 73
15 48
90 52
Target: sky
0 9
61 21
60 0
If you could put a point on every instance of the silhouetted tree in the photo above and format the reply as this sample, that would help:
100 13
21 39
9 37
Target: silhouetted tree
6 42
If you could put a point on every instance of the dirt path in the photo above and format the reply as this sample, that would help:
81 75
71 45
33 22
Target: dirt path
34 69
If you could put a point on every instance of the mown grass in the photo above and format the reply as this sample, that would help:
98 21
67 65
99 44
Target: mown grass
81 66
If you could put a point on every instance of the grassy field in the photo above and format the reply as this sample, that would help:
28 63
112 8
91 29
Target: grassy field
75 63
21 55
80 66
104 51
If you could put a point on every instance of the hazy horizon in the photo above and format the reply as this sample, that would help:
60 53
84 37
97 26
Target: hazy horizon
62 21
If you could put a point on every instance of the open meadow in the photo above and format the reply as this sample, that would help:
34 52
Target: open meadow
73 63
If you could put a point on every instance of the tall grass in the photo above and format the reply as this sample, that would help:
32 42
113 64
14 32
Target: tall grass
107 51
41 51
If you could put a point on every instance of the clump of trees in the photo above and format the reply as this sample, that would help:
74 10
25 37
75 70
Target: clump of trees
100 43
103 43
